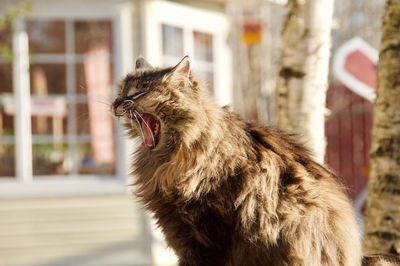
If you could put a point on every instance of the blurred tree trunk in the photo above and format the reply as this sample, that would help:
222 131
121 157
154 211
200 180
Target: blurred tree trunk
303 76
382 218
254 58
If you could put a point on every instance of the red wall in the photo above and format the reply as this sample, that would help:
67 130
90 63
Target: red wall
348 131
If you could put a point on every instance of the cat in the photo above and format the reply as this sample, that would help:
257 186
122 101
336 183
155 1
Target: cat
381 260
225 191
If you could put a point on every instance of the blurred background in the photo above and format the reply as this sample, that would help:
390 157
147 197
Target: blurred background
64 161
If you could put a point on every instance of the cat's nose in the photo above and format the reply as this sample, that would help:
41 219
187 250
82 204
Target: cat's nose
118 108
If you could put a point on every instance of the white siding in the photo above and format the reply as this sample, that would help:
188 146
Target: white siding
90 230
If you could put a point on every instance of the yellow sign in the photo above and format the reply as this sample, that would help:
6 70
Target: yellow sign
252 32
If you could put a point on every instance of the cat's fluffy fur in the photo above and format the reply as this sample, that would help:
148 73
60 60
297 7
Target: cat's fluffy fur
381 260
228 192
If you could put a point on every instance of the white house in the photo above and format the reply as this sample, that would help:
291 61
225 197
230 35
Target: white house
64 161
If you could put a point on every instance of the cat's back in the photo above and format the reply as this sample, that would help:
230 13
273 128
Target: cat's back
300 203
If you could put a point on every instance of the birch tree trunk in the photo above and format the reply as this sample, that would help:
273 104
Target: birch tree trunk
382 220
302 82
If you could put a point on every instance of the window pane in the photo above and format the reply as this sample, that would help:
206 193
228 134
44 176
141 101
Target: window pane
6 78
49 129
7 160
93 35
46 36
93 158
73 131
83 119
50 158
95 76
5 42
49 117
47 79
208 79
94 118
203 46
96 125
6 116
172 40
7 148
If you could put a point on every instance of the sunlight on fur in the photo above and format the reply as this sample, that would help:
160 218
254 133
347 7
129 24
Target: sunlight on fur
225 191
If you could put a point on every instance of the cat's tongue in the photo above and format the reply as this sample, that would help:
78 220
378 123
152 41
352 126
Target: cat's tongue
148 125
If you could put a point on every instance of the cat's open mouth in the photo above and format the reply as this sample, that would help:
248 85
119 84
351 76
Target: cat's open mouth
150 129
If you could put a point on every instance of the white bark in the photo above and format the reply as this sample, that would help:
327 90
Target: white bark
303 77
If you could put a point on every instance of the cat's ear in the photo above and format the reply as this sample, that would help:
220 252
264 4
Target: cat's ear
183 67
181 72
141 63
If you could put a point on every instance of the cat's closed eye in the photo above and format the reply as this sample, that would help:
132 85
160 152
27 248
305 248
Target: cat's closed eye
136 95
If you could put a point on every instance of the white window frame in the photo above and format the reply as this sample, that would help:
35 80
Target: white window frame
23 184
159 12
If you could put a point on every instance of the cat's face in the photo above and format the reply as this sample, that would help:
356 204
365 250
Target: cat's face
156 104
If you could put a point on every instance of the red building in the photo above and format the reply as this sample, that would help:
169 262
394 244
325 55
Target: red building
349 125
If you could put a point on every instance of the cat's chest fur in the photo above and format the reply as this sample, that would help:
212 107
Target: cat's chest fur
197 226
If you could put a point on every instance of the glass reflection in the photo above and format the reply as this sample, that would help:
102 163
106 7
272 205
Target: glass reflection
175 47
203 46
46 37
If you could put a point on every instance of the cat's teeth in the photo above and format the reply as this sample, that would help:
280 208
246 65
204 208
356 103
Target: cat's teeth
156 128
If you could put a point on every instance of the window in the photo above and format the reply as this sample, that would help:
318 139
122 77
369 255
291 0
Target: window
200 43
172 50
7 140
204 56
70 78
199 33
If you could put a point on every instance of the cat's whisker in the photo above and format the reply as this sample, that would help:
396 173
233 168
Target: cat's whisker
141 130
131 120
150 130
103 102
108 104
130 112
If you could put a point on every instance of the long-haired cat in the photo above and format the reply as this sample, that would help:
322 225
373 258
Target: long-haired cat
228 192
